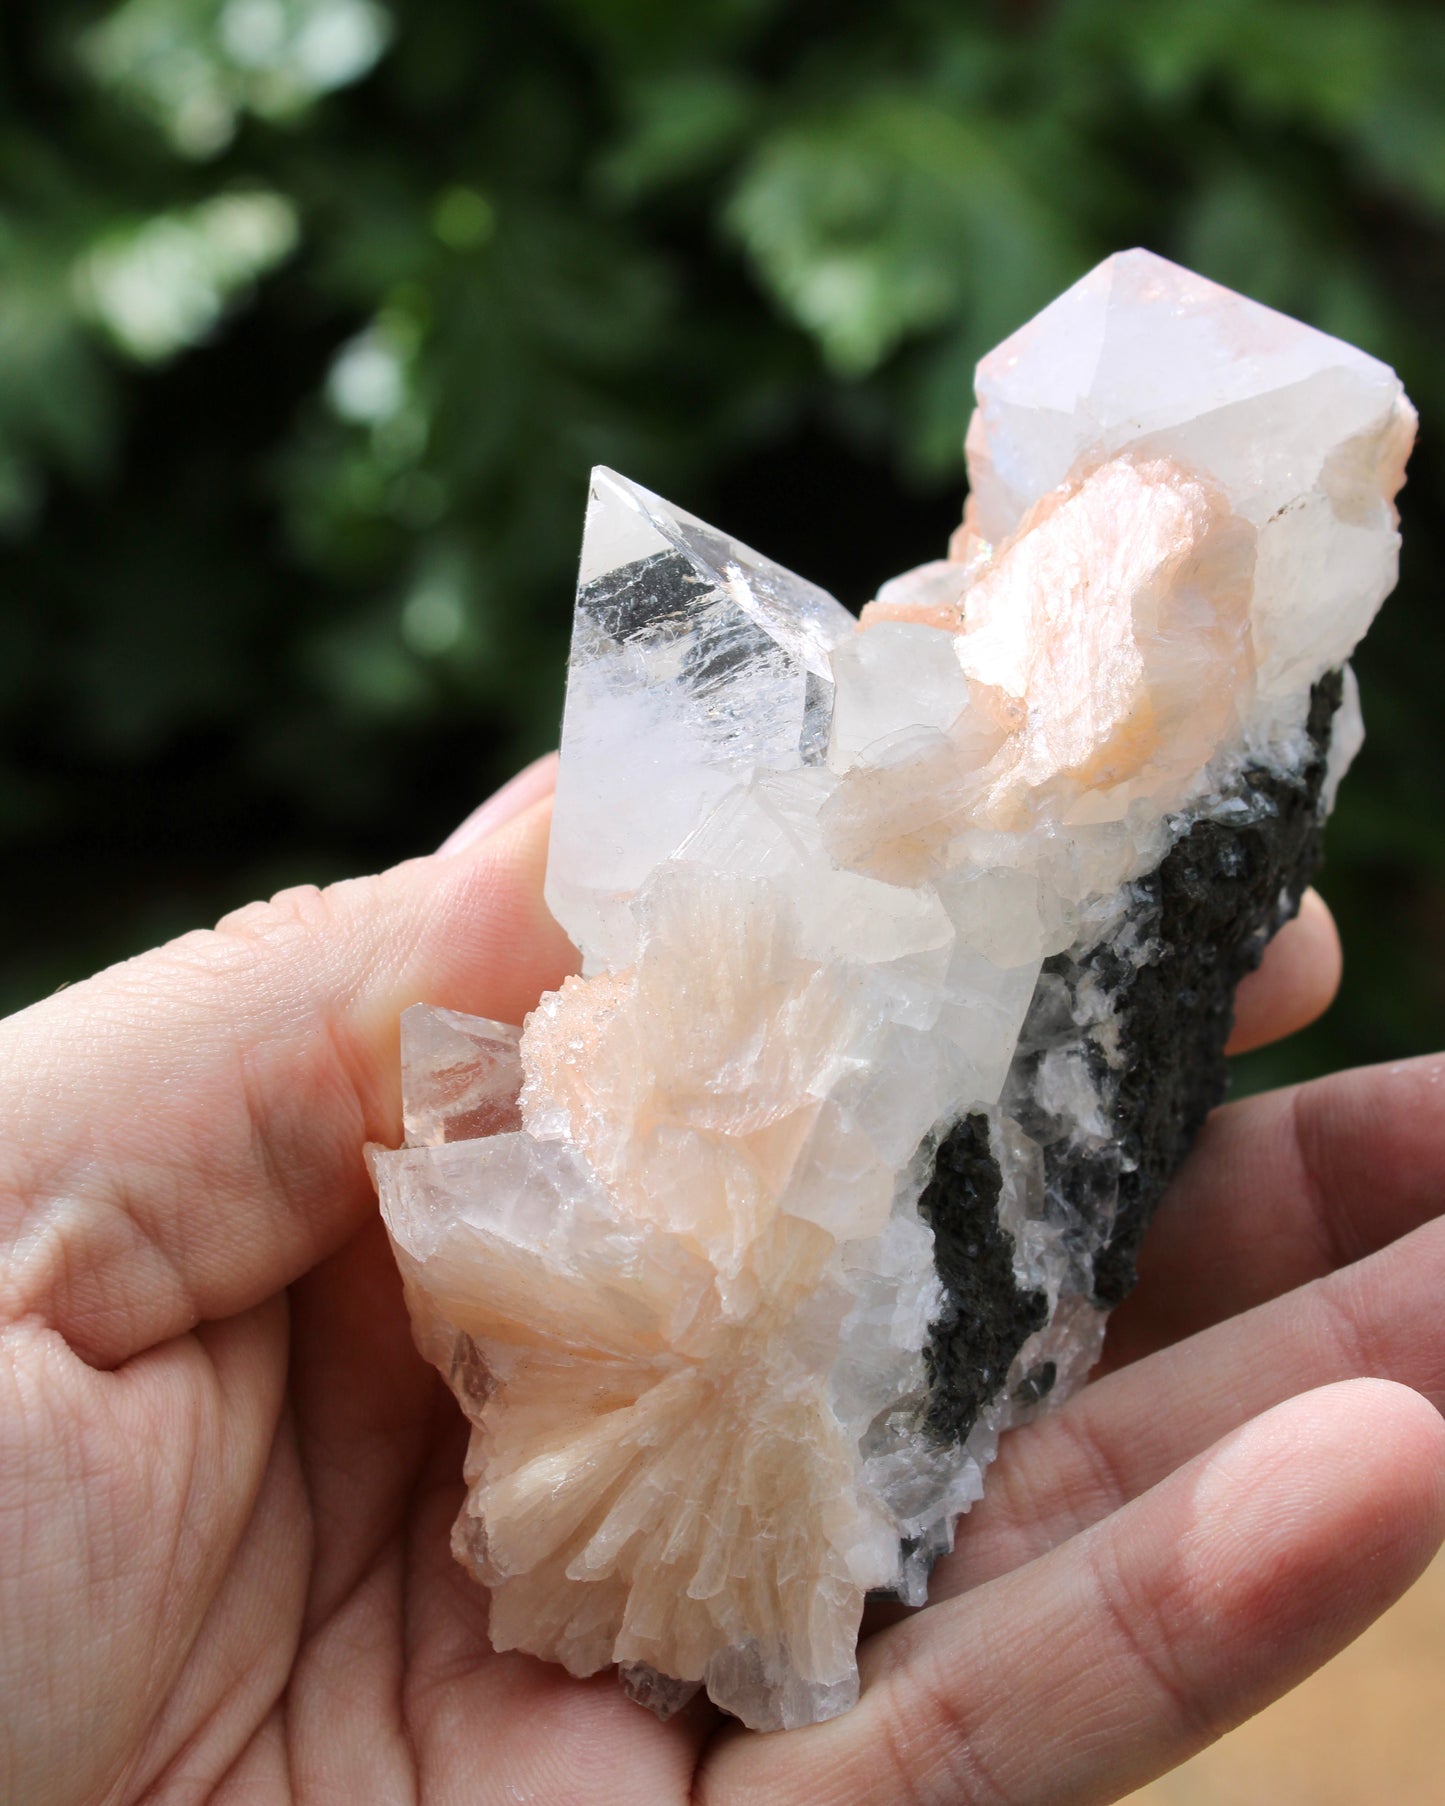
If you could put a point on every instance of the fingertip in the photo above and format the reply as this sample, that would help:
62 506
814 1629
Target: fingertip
520 793
1326 1509
1399 1432
492 946
1296 981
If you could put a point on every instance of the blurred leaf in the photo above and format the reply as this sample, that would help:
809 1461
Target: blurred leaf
892 217
643 32
364 667
463 219
1402 134
1325 60
161 286
195 66
1243 232
678 126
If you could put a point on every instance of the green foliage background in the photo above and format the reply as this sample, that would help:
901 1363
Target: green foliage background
314 314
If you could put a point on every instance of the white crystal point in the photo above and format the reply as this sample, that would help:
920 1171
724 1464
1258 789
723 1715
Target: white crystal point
1141 350
695 661
460 1076
1306 436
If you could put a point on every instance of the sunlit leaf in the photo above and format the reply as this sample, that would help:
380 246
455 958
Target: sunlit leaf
195 66
162 285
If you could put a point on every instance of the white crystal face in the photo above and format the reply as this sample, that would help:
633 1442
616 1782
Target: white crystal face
743 1253
1306 436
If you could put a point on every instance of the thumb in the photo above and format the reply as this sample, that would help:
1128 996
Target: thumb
182 1135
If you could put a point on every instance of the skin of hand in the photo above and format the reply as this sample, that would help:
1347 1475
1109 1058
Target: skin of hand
227 1479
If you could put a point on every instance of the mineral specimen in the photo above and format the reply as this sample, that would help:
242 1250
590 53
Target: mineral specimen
909 952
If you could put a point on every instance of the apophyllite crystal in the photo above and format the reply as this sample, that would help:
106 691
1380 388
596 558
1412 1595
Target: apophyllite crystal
909 949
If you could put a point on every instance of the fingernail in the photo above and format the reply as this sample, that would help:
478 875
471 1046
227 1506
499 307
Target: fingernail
519 793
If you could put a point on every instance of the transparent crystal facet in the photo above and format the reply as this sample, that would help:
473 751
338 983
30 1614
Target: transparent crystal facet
694 663
461 1076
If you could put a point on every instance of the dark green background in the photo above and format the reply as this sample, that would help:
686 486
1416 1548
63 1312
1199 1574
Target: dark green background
314 314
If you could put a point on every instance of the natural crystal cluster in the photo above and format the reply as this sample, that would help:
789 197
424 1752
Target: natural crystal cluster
909 948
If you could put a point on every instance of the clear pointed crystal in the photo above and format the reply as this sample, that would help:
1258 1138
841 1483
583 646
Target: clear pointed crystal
695 661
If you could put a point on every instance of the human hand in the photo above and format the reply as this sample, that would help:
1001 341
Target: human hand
226 1478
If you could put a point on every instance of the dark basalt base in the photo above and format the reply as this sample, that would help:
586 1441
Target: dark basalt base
1207 911
988 1318
1224 889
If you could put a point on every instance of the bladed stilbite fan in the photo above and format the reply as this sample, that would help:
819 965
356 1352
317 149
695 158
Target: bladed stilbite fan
910 944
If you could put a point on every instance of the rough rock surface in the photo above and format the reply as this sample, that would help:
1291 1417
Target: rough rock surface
909 952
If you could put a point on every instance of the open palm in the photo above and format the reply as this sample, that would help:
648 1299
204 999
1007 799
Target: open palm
227 1480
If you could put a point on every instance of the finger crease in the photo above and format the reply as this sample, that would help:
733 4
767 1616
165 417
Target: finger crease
1103 1477
1348 1328
926 1724
1147 1652
1332 1226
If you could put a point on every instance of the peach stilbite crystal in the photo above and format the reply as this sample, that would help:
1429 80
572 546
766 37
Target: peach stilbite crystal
1113 629
908 959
